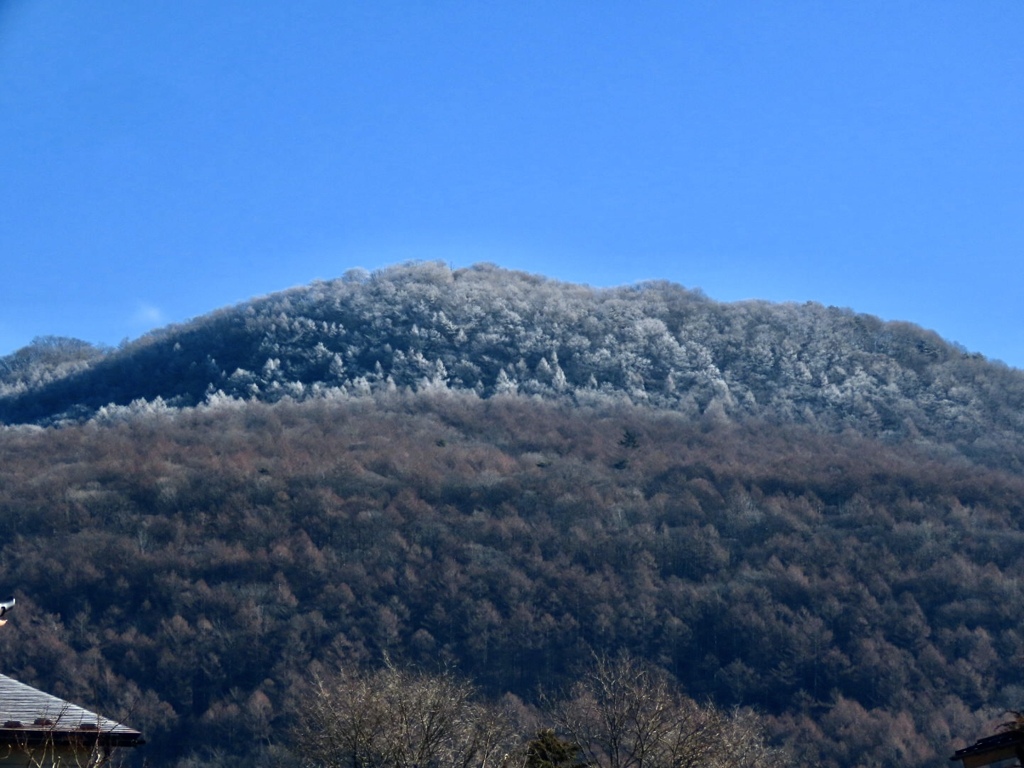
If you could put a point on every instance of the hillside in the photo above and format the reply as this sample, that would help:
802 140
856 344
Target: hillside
191 570
492 331
791 508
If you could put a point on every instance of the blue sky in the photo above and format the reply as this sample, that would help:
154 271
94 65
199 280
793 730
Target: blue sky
162 160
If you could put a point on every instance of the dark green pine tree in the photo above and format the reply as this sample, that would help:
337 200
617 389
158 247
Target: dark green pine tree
548 750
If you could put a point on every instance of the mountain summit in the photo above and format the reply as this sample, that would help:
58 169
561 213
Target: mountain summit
494 331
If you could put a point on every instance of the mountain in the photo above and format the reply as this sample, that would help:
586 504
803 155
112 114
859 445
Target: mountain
796 509
490 331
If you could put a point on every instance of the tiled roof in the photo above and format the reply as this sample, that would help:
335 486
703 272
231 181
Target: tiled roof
26 713
991 749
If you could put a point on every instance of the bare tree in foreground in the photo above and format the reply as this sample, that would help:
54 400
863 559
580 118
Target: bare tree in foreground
625 714
620 714
395 718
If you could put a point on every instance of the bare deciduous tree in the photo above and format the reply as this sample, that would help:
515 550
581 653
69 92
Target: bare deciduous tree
396 718
625 714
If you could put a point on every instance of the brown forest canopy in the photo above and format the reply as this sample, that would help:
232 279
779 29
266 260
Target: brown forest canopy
194 568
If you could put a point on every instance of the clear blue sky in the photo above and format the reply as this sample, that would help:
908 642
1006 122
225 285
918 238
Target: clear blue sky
159 160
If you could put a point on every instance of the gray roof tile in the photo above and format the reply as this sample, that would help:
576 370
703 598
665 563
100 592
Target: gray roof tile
25 710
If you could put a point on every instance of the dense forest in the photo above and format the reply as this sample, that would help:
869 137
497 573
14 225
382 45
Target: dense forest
795 511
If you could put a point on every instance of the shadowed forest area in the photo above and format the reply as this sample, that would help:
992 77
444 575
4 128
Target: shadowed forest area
194 569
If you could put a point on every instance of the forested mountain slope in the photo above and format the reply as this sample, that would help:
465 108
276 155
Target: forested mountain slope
792 508
493 331
190 570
